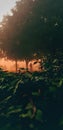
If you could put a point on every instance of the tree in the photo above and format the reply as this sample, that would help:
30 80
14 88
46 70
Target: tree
32 29
15 42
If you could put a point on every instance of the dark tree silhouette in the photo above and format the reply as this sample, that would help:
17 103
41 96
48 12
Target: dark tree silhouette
35 26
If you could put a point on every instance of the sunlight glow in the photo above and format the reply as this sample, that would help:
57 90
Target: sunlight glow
5 7
9 65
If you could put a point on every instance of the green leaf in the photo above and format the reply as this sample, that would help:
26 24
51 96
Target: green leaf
31 126
52 89
60 83
28 114
35 93
14 111
29 106
39 115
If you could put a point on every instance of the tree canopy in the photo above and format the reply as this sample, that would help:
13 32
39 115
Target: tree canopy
34 26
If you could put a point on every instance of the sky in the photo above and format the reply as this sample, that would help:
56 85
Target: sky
6 6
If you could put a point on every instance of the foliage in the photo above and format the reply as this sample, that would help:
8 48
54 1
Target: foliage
35 26
33 100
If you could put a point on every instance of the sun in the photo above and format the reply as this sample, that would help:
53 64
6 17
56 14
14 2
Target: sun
5 7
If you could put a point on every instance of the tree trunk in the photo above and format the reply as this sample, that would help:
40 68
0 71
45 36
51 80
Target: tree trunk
31 67
27 61
16 65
